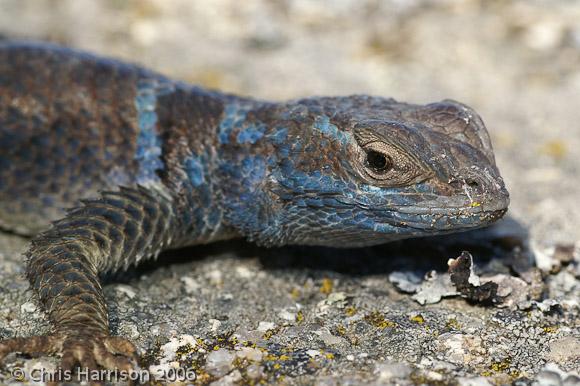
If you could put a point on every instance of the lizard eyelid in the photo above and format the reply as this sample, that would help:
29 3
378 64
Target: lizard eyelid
384 164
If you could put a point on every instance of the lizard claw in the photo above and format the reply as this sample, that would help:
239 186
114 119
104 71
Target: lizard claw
89 352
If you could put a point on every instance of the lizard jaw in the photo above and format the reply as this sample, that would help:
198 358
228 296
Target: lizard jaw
443 220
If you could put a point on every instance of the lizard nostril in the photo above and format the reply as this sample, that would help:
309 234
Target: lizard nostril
461 184
472 183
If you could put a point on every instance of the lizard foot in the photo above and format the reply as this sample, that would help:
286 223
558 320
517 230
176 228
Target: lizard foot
89 352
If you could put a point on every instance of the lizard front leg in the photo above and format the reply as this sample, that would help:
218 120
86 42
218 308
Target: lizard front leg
64 263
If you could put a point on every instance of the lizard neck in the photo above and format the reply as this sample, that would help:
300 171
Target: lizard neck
194 126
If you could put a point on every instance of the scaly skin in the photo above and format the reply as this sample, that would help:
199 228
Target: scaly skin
148 164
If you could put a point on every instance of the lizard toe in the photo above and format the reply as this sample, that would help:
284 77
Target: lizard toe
121 346
92 354
89 353
33 346
112 359
80 354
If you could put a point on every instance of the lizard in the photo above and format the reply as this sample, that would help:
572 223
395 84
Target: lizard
104 163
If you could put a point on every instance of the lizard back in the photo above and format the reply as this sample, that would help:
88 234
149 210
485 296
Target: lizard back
73 124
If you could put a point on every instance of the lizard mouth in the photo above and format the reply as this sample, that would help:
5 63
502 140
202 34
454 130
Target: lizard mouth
435 217
473 208
456 221
441 219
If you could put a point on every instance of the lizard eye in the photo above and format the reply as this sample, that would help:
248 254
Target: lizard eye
379 162
385 164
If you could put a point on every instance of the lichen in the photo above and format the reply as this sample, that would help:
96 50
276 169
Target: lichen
378 320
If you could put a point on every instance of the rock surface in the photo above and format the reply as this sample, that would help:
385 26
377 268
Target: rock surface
235 313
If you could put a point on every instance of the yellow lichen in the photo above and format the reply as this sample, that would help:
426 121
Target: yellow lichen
341 329
417 319
299 317
555 149
268 334
501 366
453 324
202 377
377 319
550 329
350 311
327 286
515 374
295 293
183 351
247 343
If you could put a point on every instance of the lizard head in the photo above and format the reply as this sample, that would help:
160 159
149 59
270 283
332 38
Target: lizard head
356 171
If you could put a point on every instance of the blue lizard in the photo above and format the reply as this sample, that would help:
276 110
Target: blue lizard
142 163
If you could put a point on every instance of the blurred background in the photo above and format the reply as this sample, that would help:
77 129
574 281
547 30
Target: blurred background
516 62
